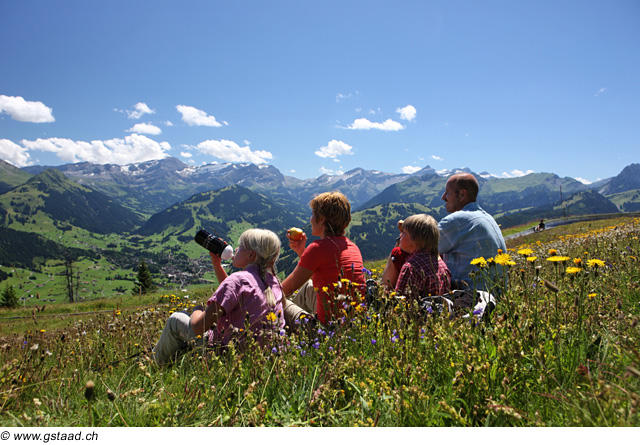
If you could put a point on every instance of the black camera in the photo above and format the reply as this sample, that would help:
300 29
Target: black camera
214 244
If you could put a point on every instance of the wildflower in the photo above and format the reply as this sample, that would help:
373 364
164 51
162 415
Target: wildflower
504 259
577 262
558 259
593 295
574 270
595 263
531 259
480 262
525 252
271 317
553 252
366 271
373 341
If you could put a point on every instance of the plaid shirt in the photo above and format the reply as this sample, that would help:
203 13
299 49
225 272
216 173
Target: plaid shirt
423 274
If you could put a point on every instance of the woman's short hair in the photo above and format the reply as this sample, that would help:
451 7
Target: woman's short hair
335 209
423 230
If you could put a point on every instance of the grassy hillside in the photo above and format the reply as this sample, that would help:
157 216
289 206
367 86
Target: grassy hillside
560 350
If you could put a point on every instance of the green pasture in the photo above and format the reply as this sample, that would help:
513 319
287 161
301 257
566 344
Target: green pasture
561 349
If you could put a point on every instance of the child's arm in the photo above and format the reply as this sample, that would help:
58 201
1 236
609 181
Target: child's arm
201 320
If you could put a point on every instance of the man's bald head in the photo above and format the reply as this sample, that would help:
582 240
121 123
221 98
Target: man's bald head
461 189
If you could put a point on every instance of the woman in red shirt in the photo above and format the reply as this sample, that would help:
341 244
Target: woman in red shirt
329 266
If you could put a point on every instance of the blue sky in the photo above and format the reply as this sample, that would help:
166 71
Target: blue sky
505 87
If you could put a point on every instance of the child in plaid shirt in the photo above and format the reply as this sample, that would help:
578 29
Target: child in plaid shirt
424 273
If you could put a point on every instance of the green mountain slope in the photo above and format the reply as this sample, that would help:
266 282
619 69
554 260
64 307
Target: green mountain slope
227 212
52 196
11 177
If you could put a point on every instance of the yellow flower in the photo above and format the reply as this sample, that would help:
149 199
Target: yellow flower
271 317
595 263
558 259
577 262
553 252
525 252
325 289
480 262
592 295
531 259
574 270
504 259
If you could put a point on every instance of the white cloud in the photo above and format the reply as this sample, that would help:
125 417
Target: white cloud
133 148
169 124
407 113
436 158
232 152
516 173
145 129
139 110
600 91
366 124
584 181
186 154
340 97
334 148
326 171
13 153
25 111
409 169
194 117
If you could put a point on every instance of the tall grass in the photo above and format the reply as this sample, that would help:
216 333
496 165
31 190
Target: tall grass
561 349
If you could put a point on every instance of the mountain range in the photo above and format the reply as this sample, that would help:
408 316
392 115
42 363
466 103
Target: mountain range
168 201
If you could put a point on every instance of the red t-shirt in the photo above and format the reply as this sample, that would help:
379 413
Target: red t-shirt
331 259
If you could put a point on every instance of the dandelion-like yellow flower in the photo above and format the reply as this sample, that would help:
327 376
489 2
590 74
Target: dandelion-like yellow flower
595 263
558 259
325 289
574 270
480 262
525 252
531 259
553 252
592 295
504 259
577 262
271 317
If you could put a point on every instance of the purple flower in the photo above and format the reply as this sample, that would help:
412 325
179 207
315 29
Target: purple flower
373 341
430 310
478 311
316 345
367 271
274 350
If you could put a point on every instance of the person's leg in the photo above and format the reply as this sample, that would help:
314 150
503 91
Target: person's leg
176 335
305 298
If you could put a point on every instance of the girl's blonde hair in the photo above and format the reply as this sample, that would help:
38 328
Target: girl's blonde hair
424 232
266 245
